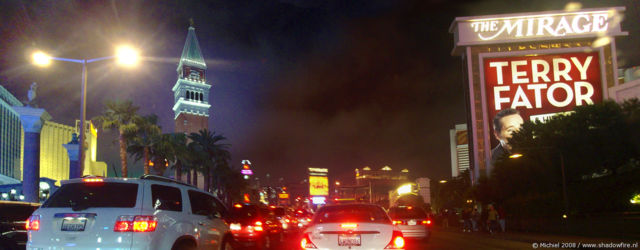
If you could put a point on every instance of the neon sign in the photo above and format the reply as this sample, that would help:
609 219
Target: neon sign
537 26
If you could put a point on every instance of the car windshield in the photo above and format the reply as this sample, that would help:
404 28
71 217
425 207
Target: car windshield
351 213
80 196
407 213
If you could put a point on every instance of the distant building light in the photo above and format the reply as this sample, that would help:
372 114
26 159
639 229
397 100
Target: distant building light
13 191
319 170
405 170
5 195
404 189
44 185
443 181
635 199
246 177
386 168
21 197
367 168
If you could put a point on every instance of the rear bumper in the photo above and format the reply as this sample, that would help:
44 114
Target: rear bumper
414 231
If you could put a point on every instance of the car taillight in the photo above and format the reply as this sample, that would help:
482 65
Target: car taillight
306 243
93 180
397 222
397 241
258 227
33 223
348 225
137 223
426 222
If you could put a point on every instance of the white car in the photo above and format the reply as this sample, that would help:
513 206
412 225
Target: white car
151 212
412 221
352 226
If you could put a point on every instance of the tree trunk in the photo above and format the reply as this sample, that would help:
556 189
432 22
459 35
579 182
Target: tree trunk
207 181
146 160
195 178
178 171
189 177
123 154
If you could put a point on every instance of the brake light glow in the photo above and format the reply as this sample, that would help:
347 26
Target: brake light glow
397 241
33 223
348 225
426 222
258 226
237 205
93 180
397 222
138 223
306 243
145 223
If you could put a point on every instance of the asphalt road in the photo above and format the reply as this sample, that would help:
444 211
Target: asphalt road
441 240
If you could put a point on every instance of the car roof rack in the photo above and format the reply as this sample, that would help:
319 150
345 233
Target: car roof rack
162 178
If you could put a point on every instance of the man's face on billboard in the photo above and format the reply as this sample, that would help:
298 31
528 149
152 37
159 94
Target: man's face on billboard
510 124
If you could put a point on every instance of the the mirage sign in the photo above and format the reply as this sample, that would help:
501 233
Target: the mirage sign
537 26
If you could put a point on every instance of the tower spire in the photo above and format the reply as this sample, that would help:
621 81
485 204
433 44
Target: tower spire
191 54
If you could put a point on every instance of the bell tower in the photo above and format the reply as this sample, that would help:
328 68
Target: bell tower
191 91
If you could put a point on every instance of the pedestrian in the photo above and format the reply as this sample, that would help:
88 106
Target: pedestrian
466 218
483 219
475 218
445 218
492 219
502 218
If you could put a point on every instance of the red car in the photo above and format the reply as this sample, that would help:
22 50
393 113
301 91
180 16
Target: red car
254 226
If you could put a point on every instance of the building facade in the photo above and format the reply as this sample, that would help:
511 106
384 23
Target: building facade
459 145
379 183
53 159
10 136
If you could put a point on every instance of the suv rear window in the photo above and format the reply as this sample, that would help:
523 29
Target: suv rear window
351 213
406 213
80 196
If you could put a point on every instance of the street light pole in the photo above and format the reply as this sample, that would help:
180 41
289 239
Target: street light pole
564 188
125 55
75 173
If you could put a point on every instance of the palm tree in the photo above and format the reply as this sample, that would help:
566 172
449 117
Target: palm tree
121 116
207 148
143 141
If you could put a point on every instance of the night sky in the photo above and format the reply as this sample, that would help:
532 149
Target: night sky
334 84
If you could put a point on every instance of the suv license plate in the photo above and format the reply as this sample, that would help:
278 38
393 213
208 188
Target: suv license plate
349 240
73 225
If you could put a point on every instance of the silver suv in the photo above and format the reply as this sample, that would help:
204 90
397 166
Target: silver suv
151 212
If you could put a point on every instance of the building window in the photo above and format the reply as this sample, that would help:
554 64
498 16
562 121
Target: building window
185 122
187 95
201 97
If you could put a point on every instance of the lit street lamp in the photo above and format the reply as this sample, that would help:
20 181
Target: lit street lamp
125 56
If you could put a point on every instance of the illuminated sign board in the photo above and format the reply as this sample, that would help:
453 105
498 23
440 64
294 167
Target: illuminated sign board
246 172
537 26
318 185
541 85
318 200
283 196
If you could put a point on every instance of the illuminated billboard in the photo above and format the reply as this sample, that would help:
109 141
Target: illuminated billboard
539 86
318 185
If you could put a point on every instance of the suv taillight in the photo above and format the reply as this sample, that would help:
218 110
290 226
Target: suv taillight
397 241
137 223
33 223
306 243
